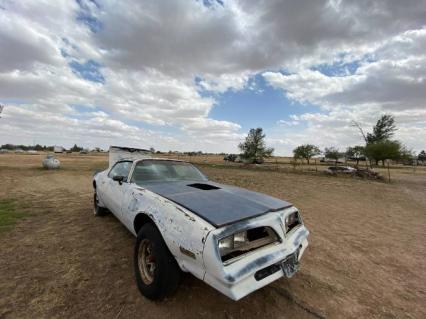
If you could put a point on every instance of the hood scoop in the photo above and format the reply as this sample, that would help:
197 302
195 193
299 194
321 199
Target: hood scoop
204 187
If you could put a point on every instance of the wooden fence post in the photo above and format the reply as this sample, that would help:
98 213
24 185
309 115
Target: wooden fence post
389 172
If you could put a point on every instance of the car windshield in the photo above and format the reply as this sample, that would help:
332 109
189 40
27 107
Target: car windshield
164 170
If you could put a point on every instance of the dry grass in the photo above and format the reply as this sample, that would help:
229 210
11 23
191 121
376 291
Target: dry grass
366 258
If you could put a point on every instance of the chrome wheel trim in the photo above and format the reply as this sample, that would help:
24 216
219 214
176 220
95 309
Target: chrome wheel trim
146 261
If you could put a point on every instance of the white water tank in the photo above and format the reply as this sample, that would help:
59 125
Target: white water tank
50 162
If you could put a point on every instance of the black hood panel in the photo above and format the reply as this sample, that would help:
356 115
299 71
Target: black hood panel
218 204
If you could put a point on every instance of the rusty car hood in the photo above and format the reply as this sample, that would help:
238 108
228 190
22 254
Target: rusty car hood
216 203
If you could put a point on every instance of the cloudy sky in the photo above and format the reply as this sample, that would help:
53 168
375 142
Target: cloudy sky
197 75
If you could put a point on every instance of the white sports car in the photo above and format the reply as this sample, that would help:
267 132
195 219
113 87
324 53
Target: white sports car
233 239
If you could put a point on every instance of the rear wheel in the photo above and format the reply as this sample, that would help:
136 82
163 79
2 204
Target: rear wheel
157 273
98 210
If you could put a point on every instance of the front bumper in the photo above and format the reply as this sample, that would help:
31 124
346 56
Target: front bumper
258 268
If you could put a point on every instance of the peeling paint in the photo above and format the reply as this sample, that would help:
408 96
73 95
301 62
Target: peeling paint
300 236
194 242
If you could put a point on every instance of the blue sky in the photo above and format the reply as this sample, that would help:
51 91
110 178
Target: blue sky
89 70
257 105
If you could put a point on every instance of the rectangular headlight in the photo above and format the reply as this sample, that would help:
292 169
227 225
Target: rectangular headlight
232 242
245 241
226 243
292 221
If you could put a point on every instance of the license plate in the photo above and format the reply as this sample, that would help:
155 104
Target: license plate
290 265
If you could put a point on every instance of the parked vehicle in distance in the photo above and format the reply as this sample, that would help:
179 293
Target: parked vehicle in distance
235 240
332 161
341 170
230 157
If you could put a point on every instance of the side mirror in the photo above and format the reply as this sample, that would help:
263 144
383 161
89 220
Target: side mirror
119 179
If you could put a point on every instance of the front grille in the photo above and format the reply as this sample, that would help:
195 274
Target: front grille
257 233
265 272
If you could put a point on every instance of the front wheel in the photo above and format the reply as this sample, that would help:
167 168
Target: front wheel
156 270
98 210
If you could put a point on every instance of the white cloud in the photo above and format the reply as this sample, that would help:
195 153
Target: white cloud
152 97
150 54
32 123
394 82
308 85
33 71
395 79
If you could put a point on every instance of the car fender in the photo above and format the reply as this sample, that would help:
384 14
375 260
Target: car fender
99 180
183 232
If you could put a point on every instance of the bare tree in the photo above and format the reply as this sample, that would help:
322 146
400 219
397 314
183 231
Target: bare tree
383 130
357 125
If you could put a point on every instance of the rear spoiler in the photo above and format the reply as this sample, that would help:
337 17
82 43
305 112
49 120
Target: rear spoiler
117 153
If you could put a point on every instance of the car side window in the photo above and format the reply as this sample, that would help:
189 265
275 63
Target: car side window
120 169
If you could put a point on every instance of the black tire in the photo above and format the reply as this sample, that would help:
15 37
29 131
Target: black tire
164 279
98 210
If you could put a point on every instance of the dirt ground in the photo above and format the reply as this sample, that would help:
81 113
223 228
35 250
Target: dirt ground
366 259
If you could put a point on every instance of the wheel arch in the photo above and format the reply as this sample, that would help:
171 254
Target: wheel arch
142 219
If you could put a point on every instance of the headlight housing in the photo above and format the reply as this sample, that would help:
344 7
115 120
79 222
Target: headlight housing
292 221
245 241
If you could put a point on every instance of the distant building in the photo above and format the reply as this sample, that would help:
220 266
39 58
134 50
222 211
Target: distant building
58 149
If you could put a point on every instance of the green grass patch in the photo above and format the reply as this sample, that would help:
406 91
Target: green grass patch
9 215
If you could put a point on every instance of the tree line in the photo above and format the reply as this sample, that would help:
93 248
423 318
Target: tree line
38 147
379 146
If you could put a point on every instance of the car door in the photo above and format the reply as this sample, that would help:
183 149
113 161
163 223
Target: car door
131 196
130 203
114 190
